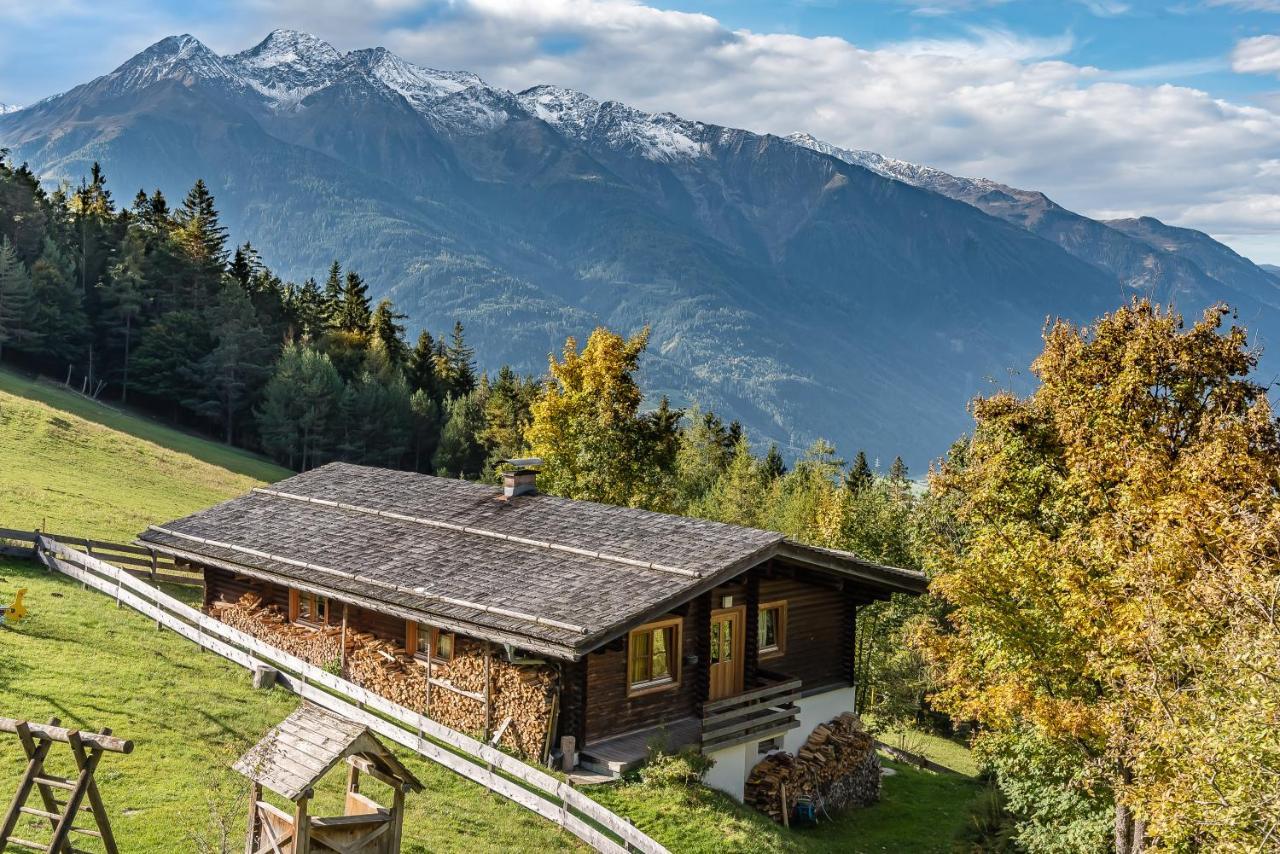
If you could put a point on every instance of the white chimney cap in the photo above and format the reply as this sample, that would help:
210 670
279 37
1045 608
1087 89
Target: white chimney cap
525 462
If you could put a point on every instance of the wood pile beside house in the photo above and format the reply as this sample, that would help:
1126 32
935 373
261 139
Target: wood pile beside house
836 768
456 697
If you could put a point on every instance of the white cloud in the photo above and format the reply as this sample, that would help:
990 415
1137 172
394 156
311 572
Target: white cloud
1249 5
1106 8
1257 55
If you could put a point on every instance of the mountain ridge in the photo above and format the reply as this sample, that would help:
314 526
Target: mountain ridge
796 291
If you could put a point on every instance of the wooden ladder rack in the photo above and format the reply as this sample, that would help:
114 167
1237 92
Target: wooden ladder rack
87 750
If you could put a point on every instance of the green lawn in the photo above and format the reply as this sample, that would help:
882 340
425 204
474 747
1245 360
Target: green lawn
83 476
919 812
947 752
222 456
191 713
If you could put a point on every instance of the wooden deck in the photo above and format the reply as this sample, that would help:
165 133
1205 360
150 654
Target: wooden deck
621 753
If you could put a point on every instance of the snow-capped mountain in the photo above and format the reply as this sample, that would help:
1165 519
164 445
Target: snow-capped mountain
287 65
803 289
657 136
9 108
964 189
420 86
183 58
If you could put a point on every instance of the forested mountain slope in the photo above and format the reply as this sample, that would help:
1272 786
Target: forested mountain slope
802 294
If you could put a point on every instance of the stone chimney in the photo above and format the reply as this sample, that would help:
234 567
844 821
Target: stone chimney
520 477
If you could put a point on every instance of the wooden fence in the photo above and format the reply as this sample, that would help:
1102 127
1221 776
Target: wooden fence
140 561
497 771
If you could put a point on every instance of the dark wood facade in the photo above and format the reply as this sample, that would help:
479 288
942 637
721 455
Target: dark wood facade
817 649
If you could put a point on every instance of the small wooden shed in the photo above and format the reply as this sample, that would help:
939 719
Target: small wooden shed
292 757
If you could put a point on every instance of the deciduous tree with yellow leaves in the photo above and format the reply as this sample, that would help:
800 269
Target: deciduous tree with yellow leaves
1114 577
588 428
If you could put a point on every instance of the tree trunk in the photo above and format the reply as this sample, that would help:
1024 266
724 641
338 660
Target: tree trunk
1131 832
124 387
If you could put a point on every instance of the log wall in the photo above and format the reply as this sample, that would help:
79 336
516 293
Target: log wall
819 628
609 711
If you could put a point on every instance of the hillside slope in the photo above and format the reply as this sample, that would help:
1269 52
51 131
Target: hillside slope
70 474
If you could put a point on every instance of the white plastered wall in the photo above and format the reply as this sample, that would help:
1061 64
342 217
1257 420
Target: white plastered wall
733 764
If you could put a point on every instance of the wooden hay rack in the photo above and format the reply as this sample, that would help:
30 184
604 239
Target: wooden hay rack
87 749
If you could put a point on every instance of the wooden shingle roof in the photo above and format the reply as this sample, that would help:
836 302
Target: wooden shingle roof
549 574
302 748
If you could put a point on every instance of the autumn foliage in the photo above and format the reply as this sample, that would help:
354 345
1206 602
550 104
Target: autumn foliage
1112 576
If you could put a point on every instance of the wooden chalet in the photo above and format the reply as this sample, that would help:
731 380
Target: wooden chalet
735 639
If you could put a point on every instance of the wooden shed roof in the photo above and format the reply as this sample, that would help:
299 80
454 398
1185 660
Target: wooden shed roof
305 746
549 574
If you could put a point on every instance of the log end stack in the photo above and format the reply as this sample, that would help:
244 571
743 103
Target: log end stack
523 693
836 768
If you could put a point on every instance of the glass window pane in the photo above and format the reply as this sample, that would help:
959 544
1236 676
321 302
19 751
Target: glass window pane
424 639
662 643
641 659
768 629
726 646
444 645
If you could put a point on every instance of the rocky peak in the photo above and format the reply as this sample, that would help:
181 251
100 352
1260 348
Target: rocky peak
182 58
420 86
288 65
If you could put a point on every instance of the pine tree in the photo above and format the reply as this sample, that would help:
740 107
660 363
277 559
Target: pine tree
15 300
59 318
123 299
300 410
229 375
460 371
774 466
422 367
355 314
859 476
202 240
425 426
459 454
309 310
387 333
508 412
333 294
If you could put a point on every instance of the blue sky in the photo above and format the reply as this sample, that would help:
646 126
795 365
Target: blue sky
1112 107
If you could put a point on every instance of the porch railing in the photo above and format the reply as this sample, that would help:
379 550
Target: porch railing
752 714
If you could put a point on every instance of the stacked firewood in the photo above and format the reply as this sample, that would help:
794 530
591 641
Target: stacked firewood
835 768
455 698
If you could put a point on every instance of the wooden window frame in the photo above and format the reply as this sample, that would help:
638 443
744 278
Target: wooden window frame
412 631
780 649
295 608
640 689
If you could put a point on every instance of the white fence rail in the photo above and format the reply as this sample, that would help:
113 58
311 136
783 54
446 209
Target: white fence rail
497 771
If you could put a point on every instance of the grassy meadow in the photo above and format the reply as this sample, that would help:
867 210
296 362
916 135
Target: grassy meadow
76 467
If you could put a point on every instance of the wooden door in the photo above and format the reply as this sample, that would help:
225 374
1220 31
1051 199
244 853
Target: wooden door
726 652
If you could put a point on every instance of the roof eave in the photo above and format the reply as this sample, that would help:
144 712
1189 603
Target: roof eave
889 578
476 630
